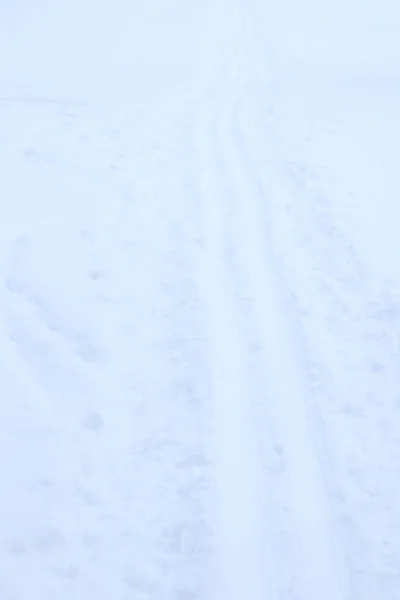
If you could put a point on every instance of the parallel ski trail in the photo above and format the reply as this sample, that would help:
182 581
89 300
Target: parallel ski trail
237 463
284 384
237 250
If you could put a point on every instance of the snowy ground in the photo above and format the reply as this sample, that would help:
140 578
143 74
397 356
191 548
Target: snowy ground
199 300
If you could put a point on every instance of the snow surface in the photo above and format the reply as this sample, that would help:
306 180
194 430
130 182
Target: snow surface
200 300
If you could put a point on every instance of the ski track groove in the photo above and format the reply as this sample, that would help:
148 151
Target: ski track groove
237 516
282 380
242 479
276 167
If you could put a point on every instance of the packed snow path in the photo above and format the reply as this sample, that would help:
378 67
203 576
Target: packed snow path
200 310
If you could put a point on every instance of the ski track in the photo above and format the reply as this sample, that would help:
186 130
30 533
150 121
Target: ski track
282 382
237 517
340 304
246 298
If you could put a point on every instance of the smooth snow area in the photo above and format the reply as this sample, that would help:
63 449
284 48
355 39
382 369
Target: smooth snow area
199 300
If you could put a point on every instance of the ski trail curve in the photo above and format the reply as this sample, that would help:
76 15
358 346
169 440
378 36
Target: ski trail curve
237 250
284 381
237 473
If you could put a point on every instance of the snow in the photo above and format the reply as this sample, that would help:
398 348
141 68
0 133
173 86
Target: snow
199 300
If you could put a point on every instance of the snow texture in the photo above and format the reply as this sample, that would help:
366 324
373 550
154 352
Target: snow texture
199 300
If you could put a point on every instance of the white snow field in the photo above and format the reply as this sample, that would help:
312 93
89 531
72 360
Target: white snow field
199 300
